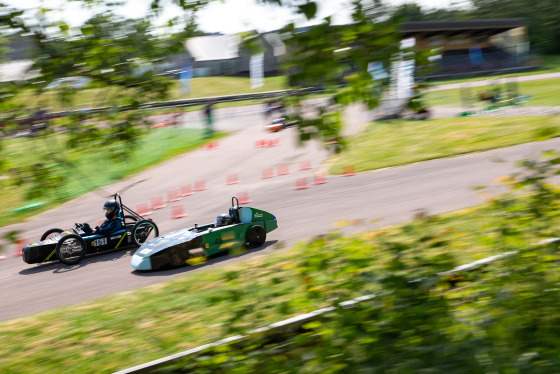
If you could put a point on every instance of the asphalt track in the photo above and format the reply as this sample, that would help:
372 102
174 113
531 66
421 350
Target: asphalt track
393 195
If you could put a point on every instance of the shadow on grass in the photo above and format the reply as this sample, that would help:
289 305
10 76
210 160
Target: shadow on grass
213 260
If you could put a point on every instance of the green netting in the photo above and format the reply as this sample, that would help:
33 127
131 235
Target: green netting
83 171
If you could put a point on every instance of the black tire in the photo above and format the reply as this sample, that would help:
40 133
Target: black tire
49 232
256 236
143 231
71 249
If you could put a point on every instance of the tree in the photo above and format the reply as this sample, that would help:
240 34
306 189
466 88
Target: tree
115 53
409 12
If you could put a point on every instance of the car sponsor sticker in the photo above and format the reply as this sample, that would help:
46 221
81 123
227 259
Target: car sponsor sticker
115 237
99 242
258 215
145 251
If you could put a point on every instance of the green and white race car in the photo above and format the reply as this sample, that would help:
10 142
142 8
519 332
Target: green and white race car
243 226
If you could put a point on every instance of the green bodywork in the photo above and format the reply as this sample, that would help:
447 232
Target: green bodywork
186 246
222 239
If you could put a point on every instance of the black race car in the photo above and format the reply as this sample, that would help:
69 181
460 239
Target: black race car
70 246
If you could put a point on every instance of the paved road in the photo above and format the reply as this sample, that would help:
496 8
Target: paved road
393 194
28 289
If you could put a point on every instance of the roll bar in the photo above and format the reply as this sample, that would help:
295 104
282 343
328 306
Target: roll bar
125 209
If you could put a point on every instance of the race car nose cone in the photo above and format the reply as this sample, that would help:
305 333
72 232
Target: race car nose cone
141 263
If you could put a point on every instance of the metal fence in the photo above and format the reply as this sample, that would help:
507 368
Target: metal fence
195 102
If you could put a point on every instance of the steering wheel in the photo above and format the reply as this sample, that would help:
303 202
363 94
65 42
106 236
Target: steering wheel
79 226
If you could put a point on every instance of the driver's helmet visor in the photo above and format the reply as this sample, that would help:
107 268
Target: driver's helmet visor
109 210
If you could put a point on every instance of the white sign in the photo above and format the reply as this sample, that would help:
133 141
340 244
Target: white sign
185 78
405 79
408 43
377 71
256 70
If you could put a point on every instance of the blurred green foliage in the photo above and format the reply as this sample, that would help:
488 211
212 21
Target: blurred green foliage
503 319
115 54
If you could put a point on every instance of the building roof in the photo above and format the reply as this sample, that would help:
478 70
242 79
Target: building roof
275 41
17 71
213 47
475 26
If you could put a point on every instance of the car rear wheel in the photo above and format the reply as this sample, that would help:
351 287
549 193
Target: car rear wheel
71 249
48 233
143 231
256 236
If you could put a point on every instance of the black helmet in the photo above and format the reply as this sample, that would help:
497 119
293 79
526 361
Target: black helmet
223 220
111 207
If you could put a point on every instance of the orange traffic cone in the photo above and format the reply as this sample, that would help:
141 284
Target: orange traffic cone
177 211
232 179
304 165
348 171
186 190
319 178
173 195
283 169
20 243
267 173
301 183
243 197
157 202
200 185
143 210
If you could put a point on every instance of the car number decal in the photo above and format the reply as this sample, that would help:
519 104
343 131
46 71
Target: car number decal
99 242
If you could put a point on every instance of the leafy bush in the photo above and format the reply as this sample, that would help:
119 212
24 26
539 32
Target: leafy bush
503 319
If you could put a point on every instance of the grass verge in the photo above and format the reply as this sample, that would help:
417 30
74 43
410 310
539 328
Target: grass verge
200 87
400 142
543 92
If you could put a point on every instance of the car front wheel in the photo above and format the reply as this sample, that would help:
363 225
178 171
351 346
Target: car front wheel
71 249
256 236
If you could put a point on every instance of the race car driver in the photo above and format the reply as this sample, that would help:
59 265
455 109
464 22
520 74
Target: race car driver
112 224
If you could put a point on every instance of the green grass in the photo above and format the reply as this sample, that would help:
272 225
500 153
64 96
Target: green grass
200 87
128 329
86 169
223 86
394 143
544 93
